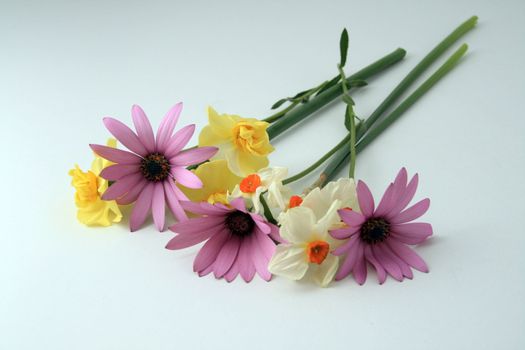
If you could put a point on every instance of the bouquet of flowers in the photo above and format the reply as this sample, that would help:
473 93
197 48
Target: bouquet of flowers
224 193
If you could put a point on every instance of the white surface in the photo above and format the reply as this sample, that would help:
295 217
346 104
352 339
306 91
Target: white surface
64 65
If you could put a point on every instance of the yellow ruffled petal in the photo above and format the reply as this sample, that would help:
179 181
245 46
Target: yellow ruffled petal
92 210
243 142
249 163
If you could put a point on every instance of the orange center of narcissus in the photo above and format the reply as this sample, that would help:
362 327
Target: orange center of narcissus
317 251
295 201
250 183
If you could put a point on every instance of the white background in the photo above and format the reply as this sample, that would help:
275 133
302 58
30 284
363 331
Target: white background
66 64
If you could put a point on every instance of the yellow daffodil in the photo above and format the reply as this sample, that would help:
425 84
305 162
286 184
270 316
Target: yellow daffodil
218 182
243 142
92 210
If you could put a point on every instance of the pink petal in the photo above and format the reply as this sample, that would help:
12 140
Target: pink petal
381 273
264 227
118 171
366 201
226 256
275 234
405 269
206 271
186 177
390 266
122 186
347 265
413 229
180 195
407 196
385 205
359 270
184 240
345 232
408 256
260 261
408 239
166 127
345 247
143 127
193 156
116 155
204 208
179 140
125 136
233 271
197 225
173 201
412 213
400 184
142 206
239 204
351 217
246 267
158 206
210 250
265 244
133 194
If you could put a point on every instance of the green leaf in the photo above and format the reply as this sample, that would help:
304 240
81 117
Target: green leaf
343 47
279 103
349 114
300 94
348 100
329 84
357 83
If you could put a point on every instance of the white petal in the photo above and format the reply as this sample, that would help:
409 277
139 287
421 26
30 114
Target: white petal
276 194
271 175
329 220
320 200
324 273
297 224
256 199
289 261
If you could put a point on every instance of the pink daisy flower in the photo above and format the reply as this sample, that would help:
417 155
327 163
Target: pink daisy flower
237 241
380 235
148 174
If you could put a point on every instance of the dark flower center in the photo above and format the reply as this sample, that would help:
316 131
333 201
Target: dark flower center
239 223
375 230
155 167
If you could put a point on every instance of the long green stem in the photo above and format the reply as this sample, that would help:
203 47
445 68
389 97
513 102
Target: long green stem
403 107
321 160
341 157
331 94
351 117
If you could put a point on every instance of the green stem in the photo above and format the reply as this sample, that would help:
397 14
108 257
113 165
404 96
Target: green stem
341 157
403 107
350 115
267 212
319 162
306 109
280 114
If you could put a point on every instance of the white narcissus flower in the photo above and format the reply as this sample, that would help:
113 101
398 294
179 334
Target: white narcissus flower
305 228
267 179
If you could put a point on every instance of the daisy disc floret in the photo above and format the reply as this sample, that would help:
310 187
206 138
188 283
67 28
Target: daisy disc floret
238 242
379 236
147 174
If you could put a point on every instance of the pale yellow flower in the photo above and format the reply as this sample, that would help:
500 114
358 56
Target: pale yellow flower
243 142
218 182
92 210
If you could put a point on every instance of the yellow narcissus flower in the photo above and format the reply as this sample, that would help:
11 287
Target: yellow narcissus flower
243 142
218 181
92 210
